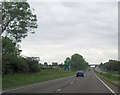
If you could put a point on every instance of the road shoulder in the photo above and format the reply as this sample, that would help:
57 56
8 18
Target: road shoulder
112 87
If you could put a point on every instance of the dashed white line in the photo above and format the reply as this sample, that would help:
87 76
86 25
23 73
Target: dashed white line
59 90
71 82
18 88
106 85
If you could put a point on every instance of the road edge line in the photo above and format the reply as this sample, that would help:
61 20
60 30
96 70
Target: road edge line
105 85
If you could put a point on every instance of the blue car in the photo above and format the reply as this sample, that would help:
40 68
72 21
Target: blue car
79 73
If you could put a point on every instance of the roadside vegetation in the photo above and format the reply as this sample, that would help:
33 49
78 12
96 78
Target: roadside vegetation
111 65
111 77
111 71
44 75
18 22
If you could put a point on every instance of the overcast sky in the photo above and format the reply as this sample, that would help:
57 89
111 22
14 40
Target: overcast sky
90 29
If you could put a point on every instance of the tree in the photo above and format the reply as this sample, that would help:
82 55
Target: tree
61 65
78 62
45 63
12 62
18 20
33 64
54 64
9 47
111 65
67 64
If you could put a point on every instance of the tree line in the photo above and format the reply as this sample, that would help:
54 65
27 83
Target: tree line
111 65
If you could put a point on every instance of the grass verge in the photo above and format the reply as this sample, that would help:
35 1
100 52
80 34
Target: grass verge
23 79
111 77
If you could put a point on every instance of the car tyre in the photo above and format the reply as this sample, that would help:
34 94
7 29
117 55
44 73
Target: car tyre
76 76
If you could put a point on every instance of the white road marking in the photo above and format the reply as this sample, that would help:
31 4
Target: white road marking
106 85
18 88
59 90
71 82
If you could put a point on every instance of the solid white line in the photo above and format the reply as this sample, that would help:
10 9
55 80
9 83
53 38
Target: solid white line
105 85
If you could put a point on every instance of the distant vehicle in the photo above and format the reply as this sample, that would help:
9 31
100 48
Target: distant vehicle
80 73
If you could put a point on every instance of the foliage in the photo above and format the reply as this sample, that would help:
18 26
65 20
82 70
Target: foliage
45 63
78 62
111 65
18 20
9 47
54 64
12 62
67 59
61 65
33 64
67 63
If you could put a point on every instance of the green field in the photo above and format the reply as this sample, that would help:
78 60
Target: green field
24 79
112 77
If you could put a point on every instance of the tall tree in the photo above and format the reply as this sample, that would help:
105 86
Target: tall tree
78 62
18 20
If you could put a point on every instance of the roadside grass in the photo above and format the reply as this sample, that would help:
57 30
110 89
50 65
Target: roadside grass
112 77
24 79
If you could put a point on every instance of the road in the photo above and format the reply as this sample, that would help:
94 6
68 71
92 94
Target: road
99 70
88 84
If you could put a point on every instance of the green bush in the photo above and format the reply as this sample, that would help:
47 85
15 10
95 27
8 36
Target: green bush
13 63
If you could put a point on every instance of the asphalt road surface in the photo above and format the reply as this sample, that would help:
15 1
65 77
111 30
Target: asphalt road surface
88 84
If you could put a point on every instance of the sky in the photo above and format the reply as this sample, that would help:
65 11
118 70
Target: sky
65 28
